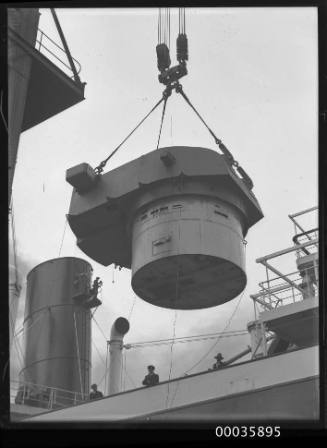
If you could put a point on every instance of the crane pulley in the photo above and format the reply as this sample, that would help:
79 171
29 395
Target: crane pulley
169 75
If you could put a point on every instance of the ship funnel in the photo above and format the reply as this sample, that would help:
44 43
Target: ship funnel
118 330
57 329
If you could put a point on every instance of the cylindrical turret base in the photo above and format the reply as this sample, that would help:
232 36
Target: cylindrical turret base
188 252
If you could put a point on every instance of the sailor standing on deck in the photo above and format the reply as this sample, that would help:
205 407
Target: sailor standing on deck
151 378
219 363
95 394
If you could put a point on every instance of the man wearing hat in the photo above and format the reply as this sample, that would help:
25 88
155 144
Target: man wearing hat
151 378
219 363
95 392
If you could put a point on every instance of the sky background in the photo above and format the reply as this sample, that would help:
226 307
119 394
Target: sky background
252 76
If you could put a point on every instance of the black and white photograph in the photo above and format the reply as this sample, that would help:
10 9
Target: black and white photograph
163 216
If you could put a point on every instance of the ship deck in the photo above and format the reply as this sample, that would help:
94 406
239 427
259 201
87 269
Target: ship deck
284 386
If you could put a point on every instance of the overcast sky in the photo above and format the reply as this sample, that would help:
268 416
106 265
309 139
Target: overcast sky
253 77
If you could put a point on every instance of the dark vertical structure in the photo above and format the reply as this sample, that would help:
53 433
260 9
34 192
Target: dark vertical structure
22 23
57 327
38 89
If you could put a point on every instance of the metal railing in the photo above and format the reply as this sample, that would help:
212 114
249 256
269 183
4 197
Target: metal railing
310 214
284 289
47 46
276 292
45 397
302 238
295 218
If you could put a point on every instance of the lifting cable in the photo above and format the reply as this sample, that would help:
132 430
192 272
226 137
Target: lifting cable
168 13
170 77
222 147
164 27
181 17
99 168
167 92
163 41
167 27
162 119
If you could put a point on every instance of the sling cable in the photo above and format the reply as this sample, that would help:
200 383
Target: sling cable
169 76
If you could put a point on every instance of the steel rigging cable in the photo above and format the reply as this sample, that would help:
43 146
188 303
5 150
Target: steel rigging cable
170 77
162 119
163 64
162 48
100 167
186 339
246 178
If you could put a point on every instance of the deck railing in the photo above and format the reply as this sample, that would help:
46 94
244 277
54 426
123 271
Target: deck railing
284 289
45 397
276 292
56 54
